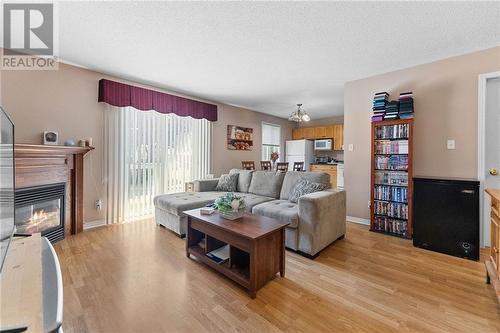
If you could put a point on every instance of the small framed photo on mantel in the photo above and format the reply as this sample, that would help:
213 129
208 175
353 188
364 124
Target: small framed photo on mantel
50 138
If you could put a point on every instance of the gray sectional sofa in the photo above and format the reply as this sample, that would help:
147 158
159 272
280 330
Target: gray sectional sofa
316 220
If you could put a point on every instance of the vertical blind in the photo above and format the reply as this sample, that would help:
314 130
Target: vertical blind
149 153
271 139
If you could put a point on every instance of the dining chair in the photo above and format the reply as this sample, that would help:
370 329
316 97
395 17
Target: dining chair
248 165
265 165
282 166
298 166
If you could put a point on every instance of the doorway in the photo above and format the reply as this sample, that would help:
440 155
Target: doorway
489 145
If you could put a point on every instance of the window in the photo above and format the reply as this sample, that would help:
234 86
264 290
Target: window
149 153
271 139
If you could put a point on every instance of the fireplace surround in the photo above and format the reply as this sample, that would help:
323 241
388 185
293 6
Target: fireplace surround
41 209
39 165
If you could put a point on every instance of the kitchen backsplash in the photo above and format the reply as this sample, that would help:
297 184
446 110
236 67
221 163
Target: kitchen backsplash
337 155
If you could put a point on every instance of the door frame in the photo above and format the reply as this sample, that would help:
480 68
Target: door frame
481 117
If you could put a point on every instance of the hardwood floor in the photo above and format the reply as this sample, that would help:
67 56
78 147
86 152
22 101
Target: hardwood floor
136 278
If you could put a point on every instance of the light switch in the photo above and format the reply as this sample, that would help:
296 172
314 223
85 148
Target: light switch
351 147
450 144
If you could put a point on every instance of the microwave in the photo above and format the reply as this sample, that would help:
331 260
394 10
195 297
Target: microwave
323 144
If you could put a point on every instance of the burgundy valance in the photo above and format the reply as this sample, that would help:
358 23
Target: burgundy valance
121 94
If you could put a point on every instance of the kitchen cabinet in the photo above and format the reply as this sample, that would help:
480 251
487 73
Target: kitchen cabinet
298 133
319 132
330 131
338 137
334 131
309 133
329 169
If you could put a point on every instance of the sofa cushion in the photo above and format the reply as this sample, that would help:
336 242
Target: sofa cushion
303 187
283 210
252 200
244 179
227 183
292 177
266 183
176 203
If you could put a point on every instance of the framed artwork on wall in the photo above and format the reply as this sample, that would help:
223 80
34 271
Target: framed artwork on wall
239 138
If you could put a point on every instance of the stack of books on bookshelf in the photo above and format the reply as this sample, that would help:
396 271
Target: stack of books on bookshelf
391 226
392 110
379 103
406 105
389 193
392 162
391 176
391 147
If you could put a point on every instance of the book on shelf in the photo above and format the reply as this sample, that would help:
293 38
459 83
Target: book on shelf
388 225
392 132
391 209
390 193
396 178
391 162
377 118
219 255
391 147
391 116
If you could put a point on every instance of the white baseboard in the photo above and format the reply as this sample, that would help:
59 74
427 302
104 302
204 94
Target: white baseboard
358 220
94 224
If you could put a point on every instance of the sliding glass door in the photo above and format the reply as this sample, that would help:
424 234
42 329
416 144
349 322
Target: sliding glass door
152 153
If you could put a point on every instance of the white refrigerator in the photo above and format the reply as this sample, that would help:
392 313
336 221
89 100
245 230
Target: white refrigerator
300 151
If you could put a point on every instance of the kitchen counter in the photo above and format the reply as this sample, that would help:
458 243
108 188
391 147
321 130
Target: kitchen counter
334 163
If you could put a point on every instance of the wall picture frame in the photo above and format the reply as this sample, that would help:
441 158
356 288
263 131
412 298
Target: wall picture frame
239 138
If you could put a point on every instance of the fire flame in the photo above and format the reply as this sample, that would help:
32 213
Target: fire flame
39 215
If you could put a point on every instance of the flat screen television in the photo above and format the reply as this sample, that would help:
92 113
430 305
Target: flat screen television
6 184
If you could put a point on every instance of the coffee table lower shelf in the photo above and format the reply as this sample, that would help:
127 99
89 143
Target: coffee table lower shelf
240 276
256 246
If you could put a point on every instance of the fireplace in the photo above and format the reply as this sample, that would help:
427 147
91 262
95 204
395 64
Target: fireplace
41 209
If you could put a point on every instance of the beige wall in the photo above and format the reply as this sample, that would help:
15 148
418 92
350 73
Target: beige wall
66 101
323 121
445 94
224 159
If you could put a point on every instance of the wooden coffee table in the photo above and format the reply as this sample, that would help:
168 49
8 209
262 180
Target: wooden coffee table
256 243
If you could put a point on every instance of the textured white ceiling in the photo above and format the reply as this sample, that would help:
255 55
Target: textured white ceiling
268 56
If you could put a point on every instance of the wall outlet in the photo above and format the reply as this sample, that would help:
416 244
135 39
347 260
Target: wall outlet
351 147
369 204
98 204
450 144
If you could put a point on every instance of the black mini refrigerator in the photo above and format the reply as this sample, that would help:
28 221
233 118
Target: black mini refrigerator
446 216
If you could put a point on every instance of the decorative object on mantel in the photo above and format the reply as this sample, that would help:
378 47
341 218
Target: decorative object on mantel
70 143
274 157
82 143
230 206
239 138
50 138
299 115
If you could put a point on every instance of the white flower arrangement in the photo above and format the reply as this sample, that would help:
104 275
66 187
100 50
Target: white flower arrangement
230 206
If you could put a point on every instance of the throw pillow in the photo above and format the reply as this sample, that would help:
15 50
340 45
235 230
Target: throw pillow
304 187
227 183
